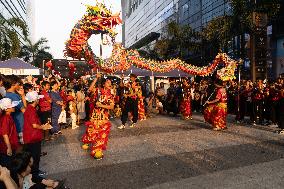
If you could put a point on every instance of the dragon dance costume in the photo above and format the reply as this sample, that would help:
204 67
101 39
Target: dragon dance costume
216 113
130 104
98 128
185 106
141 108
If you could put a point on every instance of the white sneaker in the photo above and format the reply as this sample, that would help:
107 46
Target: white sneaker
281 132
121 127
75 127
132 125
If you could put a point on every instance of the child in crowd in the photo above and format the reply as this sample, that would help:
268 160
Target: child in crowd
151 105
62 117
15 92
117 111
56 107
159 106
45 107
62 121
28 87
8 134
32 131
72 111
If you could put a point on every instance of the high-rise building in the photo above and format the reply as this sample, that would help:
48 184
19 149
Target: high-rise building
22 9
14 9
144 20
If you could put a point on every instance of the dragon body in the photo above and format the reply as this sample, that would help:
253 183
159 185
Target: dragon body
99 19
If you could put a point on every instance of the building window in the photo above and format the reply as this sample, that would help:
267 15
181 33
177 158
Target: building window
184 12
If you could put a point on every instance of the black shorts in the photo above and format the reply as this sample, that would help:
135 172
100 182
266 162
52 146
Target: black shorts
45 117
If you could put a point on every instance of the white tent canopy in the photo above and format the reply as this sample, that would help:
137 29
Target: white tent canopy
17 66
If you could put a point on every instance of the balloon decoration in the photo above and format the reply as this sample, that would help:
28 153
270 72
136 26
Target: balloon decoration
99 19
49 65
72 69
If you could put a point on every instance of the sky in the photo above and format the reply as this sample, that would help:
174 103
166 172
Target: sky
54 20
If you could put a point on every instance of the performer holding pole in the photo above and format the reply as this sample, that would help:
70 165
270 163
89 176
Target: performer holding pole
131 103
185 107
216 111
98 127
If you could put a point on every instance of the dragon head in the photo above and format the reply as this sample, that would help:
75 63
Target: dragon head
97 19
100 19
227 73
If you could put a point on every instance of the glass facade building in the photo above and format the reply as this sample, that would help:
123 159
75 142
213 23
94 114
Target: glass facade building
141 17
197 13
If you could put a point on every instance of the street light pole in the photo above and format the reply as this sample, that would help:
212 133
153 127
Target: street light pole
43 68
101 45
240 62
239 88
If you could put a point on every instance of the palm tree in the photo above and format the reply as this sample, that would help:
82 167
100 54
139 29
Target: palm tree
11 30
36 52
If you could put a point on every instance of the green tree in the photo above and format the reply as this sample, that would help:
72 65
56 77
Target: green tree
10 44
36 52
179 39
216 34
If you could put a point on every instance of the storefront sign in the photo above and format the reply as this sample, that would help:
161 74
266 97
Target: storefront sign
9 71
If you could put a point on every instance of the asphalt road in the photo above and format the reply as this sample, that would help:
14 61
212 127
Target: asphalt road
167 152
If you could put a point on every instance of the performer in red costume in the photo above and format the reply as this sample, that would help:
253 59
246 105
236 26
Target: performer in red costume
141 108
216 111
98 127
185 107
131 102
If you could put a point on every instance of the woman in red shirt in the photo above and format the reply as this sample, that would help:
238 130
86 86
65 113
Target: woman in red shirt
9 138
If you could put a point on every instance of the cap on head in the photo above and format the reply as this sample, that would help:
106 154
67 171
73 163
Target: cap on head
7 103
33 96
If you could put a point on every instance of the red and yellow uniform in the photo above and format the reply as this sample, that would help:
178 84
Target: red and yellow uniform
185 106
98 128
216 113
141 108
